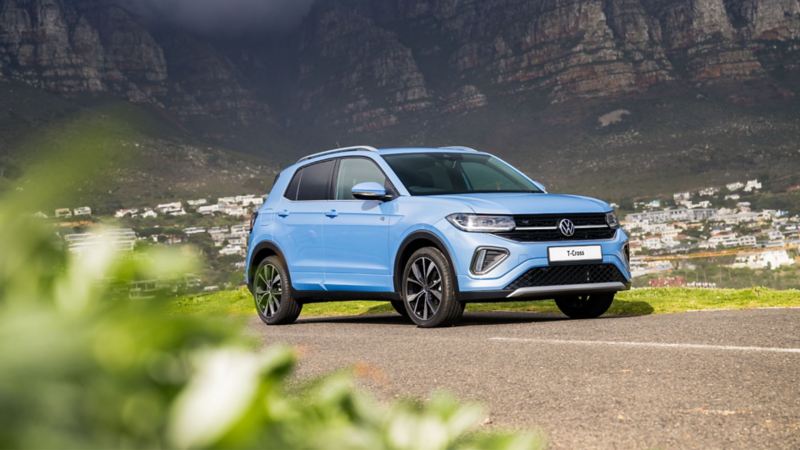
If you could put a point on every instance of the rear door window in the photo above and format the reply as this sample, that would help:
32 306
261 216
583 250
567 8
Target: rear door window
311 182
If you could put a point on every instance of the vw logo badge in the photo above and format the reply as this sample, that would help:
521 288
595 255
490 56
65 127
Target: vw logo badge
566 227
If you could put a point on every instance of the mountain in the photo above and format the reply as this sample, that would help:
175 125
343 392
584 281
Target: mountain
664 94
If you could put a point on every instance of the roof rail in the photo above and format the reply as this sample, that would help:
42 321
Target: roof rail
458 147
339 150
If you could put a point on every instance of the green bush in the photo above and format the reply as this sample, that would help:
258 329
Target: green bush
84 367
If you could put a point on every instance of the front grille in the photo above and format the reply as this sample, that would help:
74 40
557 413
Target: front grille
571 274
551 233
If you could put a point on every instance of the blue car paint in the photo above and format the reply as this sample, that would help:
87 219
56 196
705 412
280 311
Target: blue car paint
352 245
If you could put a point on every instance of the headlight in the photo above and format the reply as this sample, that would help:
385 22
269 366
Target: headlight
611 220
479 223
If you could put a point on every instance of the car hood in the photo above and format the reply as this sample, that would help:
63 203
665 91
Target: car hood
529 203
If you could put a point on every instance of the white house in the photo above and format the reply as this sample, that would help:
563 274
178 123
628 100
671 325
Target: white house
126 212
120 239
227 200
747 241
169 208
231 250
765 260
208 209
681 197
82 211
734 186
775 235
198 202
240 230
752 185
149 214
235 210
253 201
708 192
61 213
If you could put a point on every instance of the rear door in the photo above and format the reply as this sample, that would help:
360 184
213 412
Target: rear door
301 217
357 231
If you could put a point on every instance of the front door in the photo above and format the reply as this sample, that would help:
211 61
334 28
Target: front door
357 232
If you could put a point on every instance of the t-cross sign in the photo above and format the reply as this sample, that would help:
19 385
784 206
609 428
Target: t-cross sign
428 229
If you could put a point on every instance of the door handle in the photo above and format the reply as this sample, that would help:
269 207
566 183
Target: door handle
283 213
332 213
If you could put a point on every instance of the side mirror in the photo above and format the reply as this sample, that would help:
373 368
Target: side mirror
370 190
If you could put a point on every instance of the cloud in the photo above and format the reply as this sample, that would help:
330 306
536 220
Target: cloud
224 16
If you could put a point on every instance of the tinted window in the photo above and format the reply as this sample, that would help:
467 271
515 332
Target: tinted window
311 182
456 173
291 190
356 170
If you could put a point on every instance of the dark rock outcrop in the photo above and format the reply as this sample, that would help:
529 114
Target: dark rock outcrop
365 65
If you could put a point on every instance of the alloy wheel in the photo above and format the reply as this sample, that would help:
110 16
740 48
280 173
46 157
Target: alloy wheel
268 290
423 289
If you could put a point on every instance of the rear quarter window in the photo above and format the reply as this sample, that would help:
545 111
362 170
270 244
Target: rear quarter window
312 182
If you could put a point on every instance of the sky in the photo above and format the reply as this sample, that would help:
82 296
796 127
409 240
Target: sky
224 16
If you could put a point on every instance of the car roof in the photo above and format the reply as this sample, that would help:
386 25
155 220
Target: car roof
366 150
451 149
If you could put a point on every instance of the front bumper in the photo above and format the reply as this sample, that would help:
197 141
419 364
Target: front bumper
499 283
543 292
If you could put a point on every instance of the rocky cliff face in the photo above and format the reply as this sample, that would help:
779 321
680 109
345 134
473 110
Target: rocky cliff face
368 65
450 51
98 46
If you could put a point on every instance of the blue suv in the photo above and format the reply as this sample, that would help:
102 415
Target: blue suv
428 229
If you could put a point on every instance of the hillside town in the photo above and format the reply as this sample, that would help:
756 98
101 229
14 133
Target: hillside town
708 223
231 240
219 227
665 233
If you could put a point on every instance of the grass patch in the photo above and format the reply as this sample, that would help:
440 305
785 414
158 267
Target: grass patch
636 302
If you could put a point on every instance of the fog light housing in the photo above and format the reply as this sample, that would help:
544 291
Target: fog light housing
487 258
627 251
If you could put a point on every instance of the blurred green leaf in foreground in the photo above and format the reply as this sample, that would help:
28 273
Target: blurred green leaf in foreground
82 368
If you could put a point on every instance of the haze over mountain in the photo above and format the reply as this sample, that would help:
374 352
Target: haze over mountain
580 93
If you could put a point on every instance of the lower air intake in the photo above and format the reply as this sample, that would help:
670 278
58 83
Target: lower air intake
572 274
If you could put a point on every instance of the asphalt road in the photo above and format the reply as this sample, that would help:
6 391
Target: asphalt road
722 379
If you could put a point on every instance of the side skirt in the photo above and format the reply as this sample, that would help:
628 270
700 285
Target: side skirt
340 296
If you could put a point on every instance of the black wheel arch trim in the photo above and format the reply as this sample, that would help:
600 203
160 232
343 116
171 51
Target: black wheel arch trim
251 267
430 236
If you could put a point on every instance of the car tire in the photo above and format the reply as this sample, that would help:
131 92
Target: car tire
428 289
400 307
586 306
273 294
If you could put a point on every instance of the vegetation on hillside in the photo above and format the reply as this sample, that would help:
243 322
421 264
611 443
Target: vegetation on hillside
147 156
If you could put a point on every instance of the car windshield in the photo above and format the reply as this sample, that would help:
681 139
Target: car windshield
456 173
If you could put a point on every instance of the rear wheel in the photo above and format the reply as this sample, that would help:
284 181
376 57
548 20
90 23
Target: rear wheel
272 293
428 289
586 306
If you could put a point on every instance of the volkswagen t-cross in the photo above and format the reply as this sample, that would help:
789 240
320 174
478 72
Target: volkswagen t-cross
428 229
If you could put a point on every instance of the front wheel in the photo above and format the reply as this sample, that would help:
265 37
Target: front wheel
586 306
428 289
272 293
